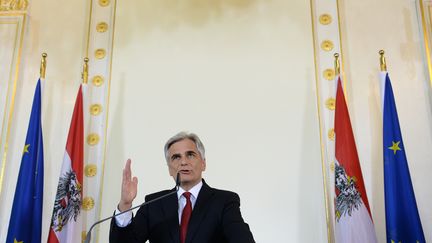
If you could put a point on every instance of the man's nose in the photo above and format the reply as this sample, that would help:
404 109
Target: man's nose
183 161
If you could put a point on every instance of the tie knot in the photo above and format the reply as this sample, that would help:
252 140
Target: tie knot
187 195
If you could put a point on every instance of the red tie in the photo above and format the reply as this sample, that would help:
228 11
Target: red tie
187 211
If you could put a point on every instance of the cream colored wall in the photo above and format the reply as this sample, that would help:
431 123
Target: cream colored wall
368 26
57 29
241 75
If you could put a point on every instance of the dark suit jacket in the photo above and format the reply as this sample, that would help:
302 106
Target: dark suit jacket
216 218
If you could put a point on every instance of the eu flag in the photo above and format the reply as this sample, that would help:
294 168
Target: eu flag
25 224
402 218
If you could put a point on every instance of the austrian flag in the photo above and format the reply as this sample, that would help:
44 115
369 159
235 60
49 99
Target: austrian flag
353 221
66 219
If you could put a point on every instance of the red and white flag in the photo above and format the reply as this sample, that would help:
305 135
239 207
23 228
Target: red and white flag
66 226
353 221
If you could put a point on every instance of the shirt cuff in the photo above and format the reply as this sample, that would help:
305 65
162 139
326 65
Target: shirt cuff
123 220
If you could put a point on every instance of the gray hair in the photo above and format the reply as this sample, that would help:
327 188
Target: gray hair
181 136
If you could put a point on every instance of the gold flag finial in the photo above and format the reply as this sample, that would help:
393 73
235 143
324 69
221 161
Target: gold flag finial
85 71
337 64
383 64
43 65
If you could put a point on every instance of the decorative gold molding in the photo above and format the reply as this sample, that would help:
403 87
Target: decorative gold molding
90 170
88 203
325 19
331 103
104 3
95 109
98 80
100 53
101 27
13 5
93 139
327 45
329 74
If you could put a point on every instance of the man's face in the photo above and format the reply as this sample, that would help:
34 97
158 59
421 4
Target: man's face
183 157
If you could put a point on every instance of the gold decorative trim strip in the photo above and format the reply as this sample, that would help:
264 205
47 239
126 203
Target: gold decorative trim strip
12 103
426 41
13 5
321 125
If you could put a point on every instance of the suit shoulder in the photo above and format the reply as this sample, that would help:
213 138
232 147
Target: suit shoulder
156 194
224 193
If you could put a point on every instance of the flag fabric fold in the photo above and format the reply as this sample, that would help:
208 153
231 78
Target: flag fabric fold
402 218
353 221
25 224
66 222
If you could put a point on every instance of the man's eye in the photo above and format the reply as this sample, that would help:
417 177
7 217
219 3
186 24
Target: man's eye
175 157
191 155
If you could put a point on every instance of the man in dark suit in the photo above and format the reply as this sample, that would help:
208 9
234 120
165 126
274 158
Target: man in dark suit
197 213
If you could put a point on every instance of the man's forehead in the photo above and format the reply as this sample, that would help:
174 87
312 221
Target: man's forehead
192 148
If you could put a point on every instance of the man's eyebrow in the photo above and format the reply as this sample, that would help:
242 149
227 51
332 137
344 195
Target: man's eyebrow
174 155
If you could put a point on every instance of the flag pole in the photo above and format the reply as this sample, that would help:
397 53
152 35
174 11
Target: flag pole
337 64
85 71
43 65
383 64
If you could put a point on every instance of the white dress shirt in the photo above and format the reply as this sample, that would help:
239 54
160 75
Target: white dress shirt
126 218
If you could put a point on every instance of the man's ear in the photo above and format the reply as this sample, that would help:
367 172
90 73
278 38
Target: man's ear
204 164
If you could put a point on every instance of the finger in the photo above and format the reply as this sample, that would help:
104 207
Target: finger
135 180
127 170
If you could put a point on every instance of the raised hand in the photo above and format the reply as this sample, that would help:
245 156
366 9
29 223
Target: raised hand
129 188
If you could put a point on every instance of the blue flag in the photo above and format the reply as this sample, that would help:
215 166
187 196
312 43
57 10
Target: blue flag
402 218
25 224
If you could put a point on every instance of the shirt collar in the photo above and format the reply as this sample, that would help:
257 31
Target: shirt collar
194 190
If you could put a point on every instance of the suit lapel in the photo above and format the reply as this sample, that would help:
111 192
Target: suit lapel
199 211
170 209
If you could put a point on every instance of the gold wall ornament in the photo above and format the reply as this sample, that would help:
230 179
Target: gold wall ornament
83 235
90 170
88 203
100 53
98 80
92 139
329 74
332 166
331 134
13 5
102 27
331 104
104 3
95 109
327 45
325 19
